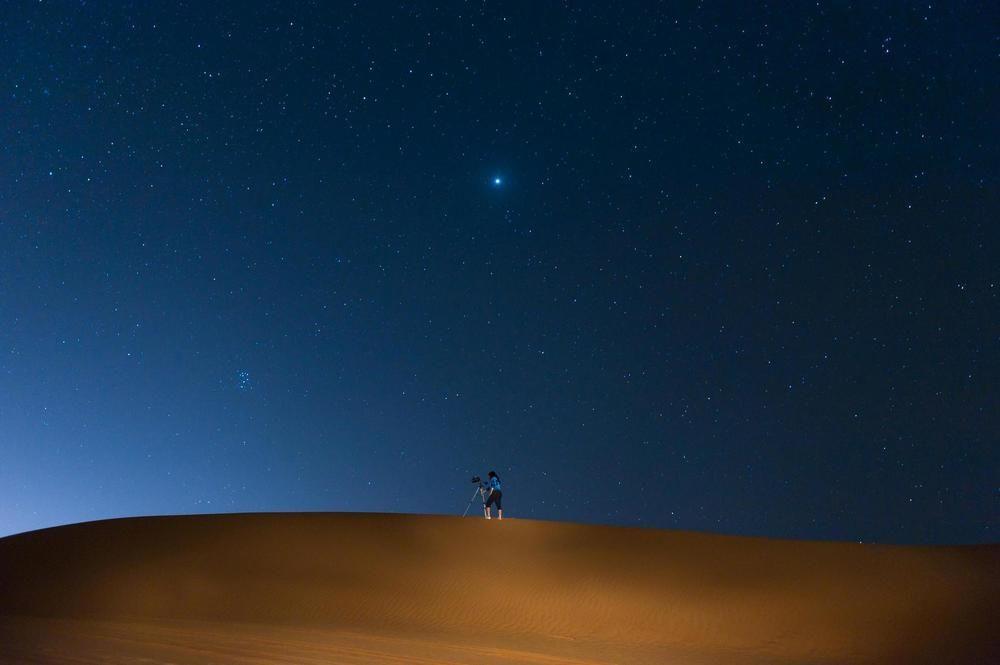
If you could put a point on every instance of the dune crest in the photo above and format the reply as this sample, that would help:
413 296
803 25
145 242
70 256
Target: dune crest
403 588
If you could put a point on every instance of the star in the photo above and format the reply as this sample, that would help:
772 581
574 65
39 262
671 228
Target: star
497 181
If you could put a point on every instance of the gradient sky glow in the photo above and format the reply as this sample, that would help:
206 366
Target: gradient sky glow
701 266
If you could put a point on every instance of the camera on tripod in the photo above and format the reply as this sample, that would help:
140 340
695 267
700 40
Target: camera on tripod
480 492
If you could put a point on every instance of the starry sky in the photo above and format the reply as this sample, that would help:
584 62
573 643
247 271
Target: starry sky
729 267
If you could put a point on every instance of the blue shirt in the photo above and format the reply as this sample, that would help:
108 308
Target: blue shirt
495 484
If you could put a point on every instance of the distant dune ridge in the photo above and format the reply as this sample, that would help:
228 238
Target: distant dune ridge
374 588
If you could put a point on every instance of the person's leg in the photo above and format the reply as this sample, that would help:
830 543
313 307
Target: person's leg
499 505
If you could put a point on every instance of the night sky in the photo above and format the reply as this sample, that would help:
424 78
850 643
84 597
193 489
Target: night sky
722 267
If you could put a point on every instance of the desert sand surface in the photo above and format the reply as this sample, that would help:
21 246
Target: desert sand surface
375 588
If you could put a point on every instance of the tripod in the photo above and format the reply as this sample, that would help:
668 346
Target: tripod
479 491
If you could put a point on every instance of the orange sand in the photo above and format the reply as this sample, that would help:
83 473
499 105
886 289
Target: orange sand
369 588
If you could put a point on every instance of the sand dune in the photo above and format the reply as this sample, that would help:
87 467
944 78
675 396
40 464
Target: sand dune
366 588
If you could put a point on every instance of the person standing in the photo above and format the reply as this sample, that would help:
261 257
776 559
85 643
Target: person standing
495 496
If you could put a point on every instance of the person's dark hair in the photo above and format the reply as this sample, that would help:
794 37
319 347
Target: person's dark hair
492 474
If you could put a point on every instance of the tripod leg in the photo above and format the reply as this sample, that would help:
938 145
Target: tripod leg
470 503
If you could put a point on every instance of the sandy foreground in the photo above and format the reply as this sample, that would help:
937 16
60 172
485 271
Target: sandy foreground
372 588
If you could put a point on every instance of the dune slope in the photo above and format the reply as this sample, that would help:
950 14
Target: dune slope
369 588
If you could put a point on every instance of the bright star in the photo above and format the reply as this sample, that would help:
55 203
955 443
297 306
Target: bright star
497 181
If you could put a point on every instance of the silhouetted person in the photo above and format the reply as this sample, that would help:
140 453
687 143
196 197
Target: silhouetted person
495 496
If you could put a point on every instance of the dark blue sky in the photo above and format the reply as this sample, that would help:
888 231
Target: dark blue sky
740 272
